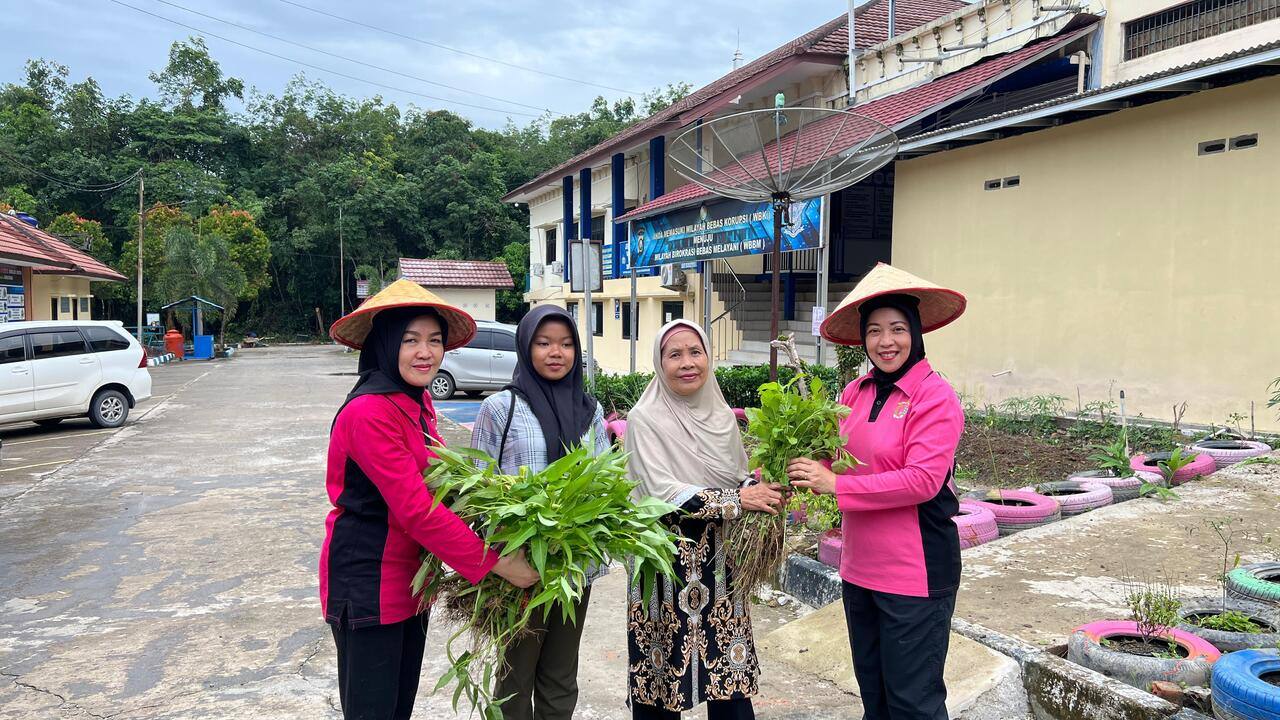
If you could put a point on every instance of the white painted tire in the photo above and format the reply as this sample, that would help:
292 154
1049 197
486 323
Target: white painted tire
1224 456
1083 496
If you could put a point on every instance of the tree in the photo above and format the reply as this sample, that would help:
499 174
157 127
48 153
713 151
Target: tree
192 73
201 264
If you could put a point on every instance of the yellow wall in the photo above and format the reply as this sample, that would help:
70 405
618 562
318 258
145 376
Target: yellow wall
1124 260
479 302
1116 69
44 287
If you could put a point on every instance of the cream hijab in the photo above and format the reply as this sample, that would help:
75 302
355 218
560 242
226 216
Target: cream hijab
679 444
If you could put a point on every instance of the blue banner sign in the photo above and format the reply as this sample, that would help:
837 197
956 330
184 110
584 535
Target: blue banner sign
725 229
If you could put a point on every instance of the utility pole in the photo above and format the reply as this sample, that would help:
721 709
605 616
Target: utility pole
342 274
142 218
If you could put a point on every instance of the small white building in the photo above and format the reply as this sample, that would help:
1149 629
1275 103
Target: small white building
471 285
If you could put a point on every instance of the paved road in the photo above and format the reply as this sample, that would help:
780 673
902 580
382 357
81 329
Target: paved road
168 571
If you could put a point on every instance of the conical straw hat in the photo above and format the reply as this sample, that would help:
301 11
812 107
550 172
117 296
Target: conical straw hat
351 329
938 305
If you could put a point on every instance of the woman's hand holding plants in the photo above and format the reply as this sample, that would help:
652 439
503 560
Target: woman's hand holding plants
761 497
516 570
812 475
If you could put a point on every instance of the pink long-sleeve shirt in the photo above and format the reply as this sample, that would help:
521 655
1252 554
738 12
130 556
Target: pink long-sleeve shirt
897 507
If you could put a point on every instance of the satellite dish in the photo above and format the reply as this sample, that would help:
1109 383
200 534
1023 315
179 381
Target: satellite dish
781 155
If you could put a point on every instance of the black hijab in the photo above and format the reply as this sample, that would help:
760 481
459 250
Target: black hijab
563 407
909 306
380 358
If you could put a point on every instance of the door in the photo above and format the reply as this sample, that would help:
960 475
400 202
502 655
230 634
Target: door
16 384
65 372
502 362
469 365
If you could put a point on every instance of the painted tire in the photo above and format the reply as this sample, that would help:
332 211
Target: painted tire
617 430
1225 640
1034 507
1007 529
976 525
1226 453
1239 692
1203 464
829 547
1087 495
1122 488
1085 648
1258 581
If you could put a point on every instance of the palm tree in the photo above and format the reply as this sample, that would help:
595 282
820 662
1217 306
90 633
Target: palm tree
201 264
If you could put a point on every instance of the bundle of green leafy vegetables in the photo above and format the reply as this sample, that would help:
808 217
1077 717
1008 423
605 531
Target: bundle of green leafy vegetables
574 514
794 420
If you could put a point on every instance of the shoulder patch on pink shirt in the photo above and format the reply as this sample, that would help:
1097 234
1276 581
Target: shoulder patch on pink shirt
901 410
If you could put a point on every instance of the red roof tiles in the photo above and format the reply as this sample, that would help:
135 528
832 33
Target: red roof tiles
827 41
59 257
893 111
456 273
18 243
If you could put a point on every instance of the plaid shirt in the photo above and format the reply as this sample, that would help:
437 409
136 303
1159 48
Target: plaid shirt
525 445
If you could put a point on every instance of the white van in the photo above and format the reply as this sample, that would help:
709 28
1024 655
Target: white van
55 369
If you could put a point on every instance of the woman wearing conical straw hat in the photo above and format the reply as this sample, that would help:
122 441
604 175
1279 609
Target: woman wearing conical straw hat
901 565
383 516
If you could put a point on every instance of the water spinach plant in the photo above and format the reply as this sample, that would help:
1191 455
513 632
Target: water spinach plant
575 514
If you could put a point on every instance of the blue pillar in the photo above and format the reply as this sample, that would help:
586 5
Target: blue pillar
657 167
584 205
616 168
789 299
567 205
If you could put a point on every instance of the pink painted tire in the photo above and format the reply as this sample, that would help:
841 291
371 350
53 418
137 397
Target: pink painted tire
741 415
1076 496
976 525
829 547
617 430
1026 509
1122 488
1230 452
1203 464
1085 647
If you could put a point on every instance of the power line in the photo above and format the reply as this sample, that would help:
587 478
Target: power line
100 188
337 73
456 50
353 60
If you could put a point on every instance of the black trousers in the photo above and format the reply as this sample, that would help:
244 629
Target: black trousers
899 648
378 668
542 668
739 709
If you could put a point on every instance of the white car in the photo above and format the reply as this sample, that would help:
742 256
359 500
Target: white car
56 369
486 363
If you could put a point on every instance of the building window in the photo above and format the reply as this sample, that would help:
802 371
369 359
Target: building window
84 305
597 319
1192 21
626 320
65 308
672 310
550 252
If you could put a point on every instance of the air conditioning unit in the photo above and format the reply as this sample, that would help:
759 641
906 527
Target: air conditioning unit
535 269
557 268
673 277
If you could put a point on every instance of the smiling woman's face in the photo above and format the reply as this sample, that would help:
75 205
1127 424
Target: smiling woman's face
552 350
421 349
888 339
684 362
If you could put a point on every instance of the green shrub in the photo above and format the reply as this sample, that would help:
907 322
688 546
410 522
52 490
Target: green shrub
740 385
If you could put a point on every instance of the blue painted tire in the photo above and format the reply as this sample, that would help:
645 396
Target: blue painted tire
1239 692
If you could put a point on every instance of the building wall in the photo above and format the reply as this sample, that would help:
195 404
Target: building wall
46 287
481 303
1116 69
1124 261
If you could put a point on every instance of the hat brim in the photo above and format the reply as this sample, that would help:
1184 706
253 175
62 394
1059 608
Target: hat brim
939 307
352 328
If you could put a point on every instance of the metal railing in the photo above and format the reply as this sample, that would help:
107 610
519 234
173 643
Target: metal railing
725 335
1193 21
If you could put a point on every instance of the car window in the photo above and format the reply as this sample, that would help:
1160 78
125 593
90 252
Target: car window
504 341
12 349
480 341
104 339
56 343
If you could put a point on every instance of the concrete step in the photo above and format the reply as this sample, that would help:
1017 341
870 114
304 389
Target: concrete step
762 346
761 324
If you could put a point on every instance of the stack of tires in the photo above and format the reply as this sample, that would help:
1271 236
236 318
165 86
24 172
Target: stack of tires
1016 510
1245 685
1075 497
1122 488
1230 452
1202 464
977 525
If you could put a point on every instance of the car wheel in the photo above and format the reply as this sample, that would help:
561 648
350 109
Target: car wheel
48 422
109 409
442 387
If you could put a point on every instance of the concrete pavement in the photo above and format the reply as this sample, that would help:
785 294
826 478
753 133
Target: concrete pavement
169 570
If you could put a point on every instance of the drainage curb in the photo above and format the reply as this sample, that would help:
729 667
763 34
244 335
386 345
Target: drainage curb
809 581
1058 689
161 359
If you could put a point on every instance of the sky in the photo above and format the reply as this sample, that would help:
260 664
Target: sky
625 45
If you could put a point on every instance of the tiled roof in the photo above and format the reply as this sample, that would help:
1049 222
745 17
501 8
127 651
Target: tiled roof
894 111
83 264
17 243
829 39
456 273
